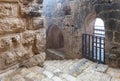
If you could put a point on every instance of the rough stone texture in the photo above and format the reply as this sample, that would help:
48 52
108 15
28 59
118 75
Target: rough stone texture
8 9
22 38
75 17
11 25
65 70
35 60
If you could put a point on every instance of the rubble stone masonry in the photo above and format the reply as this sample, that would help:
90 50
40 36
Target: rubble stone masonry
22 33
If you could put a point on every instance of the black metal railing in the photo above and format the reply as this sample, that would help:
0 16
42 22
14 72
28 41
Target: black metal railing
93 48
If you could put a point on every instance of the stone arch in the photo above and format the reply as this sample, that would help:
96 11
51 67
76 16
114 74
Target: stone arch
89 28
90 22
55 39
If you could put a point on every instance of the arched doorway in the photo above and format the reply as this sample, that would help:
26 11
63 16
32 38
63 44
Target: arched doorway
93 44
55 38
55 42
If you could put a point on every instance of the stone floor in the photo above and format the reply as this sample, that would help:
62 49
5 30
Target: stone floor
65 70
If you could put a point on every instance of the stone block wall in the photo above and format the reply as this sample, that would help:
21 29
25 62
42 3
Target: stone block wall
22 32
81 19
109 12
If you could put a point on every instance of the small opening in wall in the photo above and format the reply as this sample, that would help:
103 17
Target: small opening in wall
99 29
55 42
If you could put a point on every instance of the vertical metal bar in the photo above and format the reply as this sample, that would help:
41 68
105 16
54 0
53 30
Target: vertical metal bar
85 45
89 46
92 47
96 48
100 50
104 50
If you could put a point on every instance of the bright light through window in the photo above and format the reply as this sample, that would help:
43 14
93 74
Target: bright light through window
99 22
99 29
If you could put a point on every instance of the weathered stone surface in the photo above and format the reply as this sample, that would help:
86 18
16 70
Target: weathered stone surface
112 25
114 72
34 61
37 24
93 76
51 72
106 7
11 25
28 38
109 35
8 9
15 55
9 0
117 37
31 8
40 41
6 43
17 78
19 34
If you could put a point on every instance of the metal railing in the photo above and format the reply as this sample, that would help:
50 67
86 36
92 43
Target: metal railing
93 48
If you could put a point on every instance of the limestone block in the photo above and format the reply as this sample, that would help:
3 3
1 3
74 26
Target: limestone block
117 37
37 24
11 25
40 41
28 38
32 77
2 63
16 40
25 2
15 55
8 9
39 1
34 61
9 0
5 44
109 35
17 78
30 8
9 57
21 53
9 42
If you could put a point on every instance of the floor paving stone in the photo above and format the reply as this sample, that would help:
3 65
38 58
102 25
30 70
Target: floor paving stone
65 70
114 72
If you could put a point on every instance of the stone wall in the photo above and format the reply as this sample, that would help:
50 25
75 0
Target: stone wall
109 12
22 32
80 18
61 14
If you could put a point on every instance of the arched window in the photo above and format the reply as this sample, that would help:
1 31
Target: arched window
99 29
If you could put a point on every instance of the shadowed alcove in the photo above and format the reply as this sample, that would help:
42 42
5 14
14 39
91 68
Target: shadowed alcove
55 41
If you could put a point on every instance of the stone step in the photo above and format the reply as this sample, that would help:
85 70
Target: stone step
48 74
79 67
55 54
97 68
93 76
65 67
115 79
62 65
67 77
55 78
66 70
